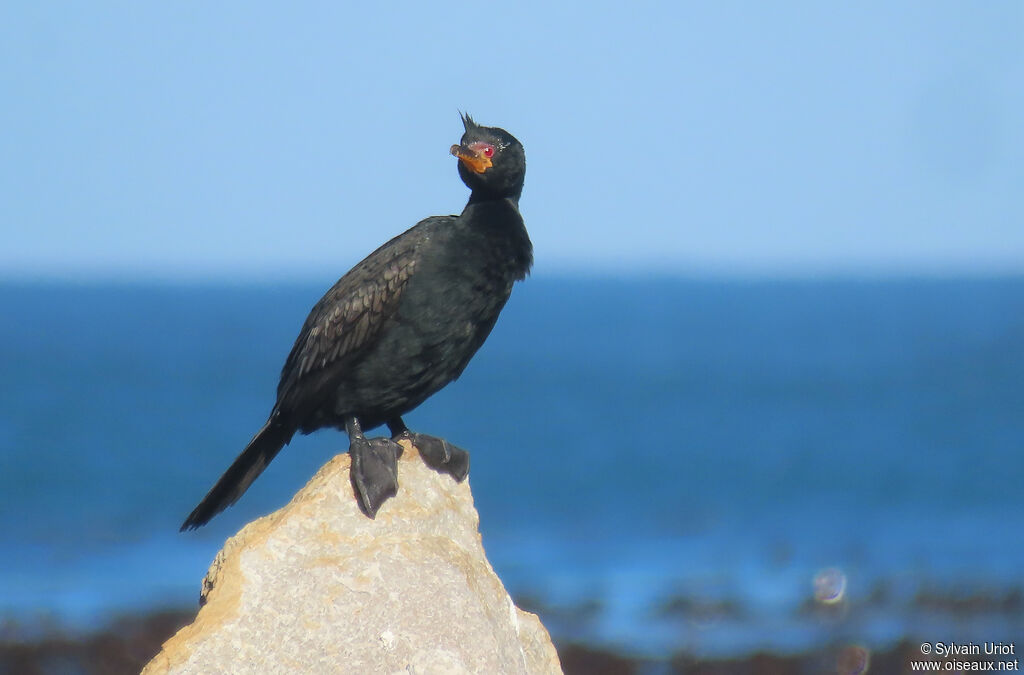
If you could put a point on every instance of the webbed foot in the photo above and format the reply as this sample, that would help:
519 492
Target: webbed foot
439 454
374 471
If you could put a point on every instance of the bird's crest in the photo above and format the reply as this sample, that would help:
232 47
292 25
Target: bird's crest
467 121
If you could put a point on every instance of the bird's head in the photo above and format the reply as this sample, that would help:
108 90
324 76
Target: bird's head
492 162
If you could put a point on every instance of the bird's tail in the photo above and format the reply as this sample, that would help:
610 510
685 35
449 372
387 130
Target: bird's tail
263 447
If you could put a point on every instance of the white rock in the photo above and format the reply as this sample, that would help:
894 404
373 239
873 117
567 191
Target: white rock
317 587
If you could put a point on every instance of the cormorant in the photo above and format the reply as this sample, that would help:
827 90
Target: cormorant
396 328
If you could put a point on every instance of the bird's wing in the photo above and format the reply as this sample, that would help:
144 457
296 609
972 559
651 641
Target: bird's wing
352 312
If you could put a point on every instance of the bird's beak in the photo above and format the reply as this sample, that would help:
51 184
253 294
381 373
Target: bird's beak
472 157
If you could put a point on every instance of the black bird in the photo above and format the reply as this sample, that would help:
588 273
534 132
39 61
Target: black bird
396 328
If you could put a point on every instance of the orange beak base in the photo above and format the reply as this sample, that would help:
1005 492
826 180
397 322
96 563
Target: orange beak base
472 159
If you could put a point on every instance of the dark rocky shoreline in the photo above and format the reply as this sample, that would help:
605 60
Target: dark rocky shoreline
126 644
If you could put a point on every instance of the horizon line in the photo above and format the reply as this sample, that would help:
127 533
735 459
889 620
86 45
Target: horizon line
246 275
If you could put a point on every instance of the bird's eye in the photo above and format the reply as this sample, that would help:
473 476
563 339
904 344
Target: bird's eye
489 151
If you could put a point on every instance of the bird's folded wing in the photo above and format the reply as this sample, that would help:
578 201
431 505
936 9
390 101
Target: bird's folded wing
350 313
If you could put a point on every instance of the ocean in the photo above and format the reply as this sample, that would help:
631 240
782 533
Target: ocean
661 465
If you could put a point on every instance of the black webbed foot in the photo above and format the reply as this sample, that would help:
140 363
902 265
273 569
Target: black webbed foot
374 472
439 454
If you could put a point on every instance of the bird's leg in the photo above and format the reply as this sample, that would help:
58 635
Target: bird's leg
374 471
437 453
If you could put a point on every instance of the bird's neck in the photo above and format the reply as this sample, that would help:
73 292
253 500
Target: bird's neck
499 223
479 204
481 197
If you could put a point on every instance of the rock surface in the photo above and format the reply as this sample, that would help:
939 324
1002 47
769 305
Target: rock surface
317 587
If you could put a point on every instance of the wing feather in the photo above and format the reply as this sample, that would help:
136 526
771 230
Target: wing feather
351 313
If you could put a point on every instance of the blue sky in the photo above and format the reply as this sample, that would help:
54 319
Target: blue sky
244 140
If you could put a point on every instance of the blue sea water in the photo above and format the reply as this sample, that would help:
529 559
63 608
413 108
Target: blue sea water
659 464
